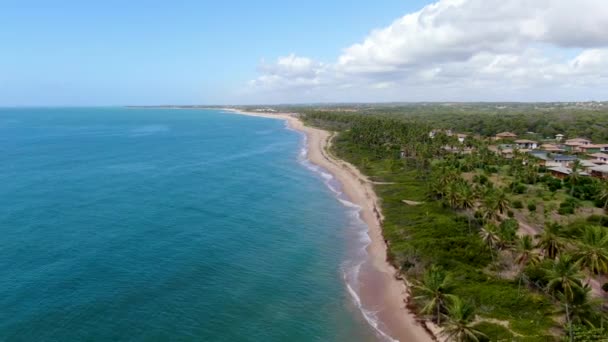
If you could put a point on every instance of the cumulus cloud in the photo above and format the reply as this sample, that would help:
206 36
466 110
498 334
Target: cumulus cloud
462 46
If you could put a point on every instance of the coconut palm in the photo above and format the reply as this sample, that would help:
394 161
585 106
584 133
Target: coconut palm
550 240
490 236
592 251
564 277
435 290
603 195
459 324
574 175
525 251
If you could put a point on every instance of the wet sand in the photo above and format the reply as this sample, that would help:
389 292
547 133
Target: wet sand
379 290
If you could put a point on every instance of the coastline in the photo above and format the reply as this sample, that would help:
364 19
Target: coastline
380 288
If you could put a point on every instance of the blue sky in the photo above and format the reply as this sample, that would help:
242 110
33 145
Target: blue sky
239 52
123 52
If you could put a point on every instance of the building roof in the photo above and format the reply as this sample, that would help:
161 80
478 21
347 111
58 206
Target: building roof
588 163
566 171
563 157
600 169
506 134
591 146
550 148
599 155
524 141
580 140
560 135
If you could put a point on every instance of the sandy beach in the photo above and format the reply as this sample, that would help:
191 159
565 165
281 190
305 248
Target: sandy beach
380 290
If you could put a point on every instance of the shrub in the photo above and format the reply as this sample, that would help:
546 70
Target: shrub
605 287
565 210
518 188
510 213
517 204
532 206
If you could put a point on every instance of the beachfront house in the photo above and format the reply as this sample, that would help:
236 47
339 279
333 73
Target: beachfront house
526 144
505 136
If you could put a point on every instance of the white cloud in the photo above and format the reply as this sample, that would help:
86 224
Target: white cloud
510 47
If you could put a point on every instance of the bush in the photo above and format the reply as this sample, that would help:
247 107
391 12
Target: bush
605 287
518 188
532 206
565 210
510 213
517 204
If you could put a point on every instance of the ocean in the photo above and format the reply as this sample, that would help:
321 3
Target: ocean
170 225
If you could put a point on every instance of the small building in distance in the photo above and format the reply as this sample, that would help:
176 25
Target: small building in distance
600 158
562 172
590 148
526 144
551 148
600 171
559 137
505 135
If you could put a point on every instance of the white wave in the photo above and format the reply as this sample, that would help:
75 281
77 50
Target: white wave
370 316
363 235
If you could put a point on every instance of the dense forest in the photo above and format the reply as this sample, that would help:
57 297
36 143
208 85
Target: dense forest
536 120
459 244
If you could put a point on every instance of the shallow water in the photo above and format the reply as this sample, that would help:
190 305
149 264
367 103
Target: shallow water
132 224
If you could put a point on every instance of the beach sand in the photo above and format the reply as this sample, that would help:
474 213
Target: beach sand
380 290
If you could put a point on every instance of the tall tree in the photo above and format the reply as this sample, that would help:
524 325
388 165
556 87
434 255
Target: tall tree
459 324
564 277
435 290
592 251
550 240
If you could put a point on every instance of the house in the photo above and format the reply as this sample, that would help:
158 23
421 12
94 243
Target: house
600 171
587 164
461 137
505 135
562 172
551 148
563 160
600 158
603 147
559 137
575 145
526 144
590 148
579 141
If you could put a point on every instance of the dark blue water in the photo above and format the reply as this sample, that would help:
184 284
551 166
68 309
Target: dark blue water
143 225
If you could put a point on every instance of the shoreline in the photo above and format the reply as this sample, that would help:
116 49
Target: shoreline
380 288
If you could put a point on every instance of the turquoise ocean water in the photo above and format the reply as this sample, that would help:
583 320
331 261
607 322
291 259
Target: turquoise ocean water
168 225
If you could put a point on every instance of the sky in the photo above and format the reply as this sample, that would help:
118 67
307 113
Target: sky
267 52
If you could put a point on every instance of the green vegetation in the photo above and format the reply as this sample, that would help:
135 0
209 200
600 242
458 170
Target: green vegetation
460 248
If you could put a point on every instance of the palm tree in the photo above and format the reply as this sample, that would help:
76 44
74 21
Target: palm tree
435 290
550 241
575 175
603 194
502 202
459 324
592 252
489 236
526 254
564 277
582 309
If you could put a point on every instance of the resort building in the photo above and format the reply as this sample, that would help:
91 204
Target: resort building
587 165
576 145
590 148
559 137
